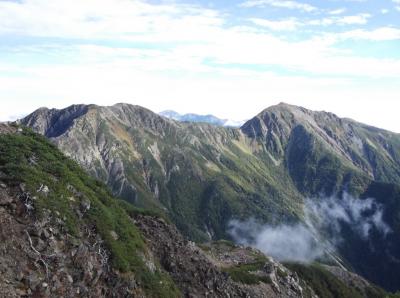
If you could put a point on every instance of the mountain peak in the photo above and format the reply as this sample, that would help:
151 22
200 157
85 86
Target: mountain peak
128 108
127 105
285 107
209 118
285 104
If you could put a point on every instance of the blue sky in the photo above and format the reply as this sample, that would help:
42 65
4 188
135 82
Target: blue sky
229 58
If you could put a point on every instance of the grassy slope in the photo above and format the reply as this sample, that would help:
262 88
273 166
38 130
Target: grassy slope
30 159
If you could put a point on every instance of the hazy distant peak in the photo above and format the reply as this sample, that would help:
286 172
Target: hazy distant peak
191 117
170 114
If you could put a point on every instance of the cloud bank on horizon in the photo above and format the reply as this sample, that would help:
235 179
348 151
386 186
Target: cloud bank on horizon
231 59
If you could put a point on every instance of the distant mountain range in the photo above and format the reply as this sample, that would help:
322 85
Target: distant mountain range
203 177
201 119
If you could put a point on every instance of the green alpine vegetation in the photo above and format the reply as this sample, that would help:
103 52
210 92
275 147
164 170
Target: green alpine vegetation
29 160
247 273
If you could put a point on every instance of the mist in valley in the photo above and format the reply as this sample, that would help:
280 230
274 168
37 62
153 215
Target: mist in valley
320 233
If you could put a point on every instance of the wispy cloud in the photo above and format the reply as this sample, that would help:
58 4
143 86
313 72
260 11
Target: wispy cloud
182 38
337 11
106 19
281 4
291 24
359 19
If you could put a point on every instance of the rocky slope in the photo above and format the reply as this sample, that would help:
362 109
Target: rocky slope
63 235
202 176
201 274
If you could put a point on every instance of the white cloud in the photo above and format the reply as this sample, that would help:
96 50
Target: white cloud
356 19
281 25
237 94
359 19
384 11
337 11
291 24
326 221
281 4
379 34
397 2
201 35
106 19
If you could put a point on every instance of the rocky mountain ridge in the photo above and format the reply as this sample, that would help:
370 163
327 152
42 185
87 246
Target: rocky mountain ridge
203 176
63 235
359 144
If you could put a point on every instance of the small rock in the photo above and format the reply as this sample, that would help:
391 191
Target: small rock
5 200
195 259
41 245
85 205
114 235
73 252
90 265
151 266
2 185
70 279
22 187
13 207
21 292
43 189
45 234
269 268
33 281
57 285
32 160
45 285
